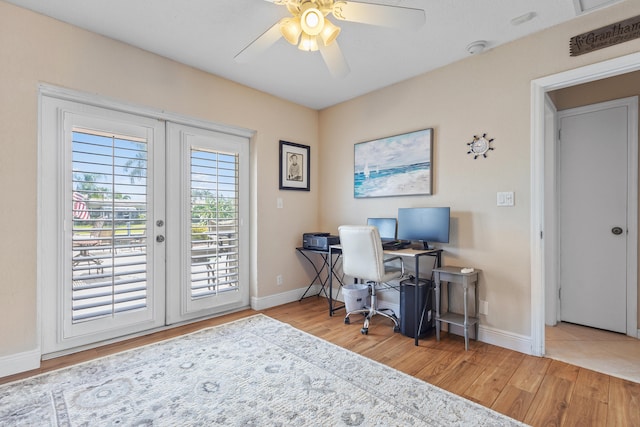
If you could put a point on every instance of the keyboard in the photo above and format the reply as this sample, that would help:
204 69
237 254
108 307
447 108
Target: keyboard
395 245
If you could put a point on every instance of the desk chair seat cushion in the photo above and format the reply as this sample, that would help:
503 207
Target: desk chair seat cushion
363 256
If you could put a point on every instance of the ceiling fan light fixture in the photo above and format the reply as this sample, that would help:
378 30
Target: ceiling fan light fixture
329 32
291 29
312 21
308 43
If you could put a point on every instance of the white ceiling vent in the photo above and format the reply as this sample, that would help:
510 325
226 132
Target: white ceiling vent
586 6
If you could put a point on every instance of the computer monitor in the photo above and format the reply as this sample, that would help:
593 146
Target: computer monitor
426 225
386 227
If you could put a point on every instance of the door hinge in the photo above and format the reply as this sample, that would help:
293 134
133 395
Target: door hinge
559 293
541 235
559 134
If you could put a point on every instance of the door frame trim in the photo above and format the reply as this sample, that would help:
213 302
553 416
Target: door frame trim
540 244
125 107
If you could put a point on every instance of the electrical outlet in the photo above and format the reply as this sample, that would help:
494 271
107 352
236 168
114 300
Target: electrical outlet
484 307
279 280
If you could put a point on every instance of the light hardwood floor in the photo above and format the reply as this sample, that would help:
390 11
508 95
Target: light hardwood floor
537 391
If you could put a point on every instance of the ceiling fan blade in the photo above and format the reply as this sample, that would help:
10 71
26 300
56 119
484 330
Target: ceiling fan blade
379 14
333 57
259 45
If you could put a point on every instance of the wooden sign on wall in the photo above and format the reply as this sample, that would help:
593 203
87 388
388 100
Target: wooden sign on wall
613 34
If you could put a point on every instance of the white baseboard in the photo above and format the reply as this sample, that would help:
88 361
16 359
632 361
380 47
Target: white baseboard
508 340
489 335
498 337
19 362
283 298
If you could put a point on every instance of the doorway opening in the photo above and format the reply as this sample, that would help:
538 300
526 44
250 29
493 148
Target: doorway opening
543 229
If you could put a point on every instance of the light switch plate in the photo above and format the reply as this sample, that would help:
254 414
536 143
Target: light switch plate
506 198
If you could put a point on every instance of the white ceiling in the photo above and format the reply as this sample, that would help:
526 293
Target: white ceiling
207 34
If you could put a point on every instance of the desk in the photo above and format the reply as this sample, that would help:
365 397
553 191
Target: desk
405 253
454 275
327 263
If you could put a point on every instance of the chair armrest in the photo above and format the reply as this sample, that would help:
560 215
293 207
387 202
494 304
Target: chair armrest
393 258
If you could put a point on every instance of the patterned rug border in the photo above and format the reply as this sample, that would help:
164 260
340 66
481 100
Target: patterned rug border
133 349
410 396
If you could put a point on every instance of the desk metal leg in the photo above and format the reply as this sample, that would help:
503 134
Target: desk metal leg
332 268
333 274
416 303
438 324
326 263
330 288
317 276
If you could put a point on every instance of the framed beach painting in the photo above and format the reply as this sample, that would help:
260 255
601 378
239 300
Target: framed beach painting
397 165
294 166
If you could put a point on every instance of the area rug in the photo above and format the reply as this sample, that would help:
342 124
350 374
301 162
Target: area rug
251 372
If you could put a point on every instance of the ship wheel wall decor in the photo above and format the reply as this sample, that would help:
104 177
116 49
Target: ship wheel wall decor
480 146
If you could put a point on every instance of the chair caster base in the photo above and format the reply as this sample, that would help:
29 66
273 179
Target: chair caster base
364 331
347 321
396 329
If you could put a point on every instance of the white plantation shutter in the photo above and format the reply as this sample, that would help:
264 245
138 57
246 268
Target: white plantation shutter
109 232
214 218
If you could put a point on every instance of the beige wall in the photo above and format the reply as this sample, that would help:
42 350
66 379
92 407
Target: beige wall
35 49
485 93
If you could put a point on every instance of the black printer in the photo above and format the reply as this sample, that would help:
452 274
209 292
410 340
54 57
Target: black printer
319 241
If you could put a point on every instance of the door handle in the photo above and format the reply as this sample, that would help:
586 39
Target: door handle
617 230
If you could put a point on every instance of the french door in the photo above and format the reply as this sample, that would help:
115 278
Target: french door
207 198
141 223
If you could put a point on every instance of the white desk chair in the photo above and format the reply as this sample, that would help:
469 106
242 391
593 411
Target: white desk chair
363 258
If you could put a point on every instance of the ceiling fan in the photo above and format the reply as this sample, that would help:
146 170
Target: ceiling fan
309 28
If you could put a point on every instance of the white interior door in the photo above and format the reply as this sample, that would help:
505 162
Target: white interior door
593 206
207 210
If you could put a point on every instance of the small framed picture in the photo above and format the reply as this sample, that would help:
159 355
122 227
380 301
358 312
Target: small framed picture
294 166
